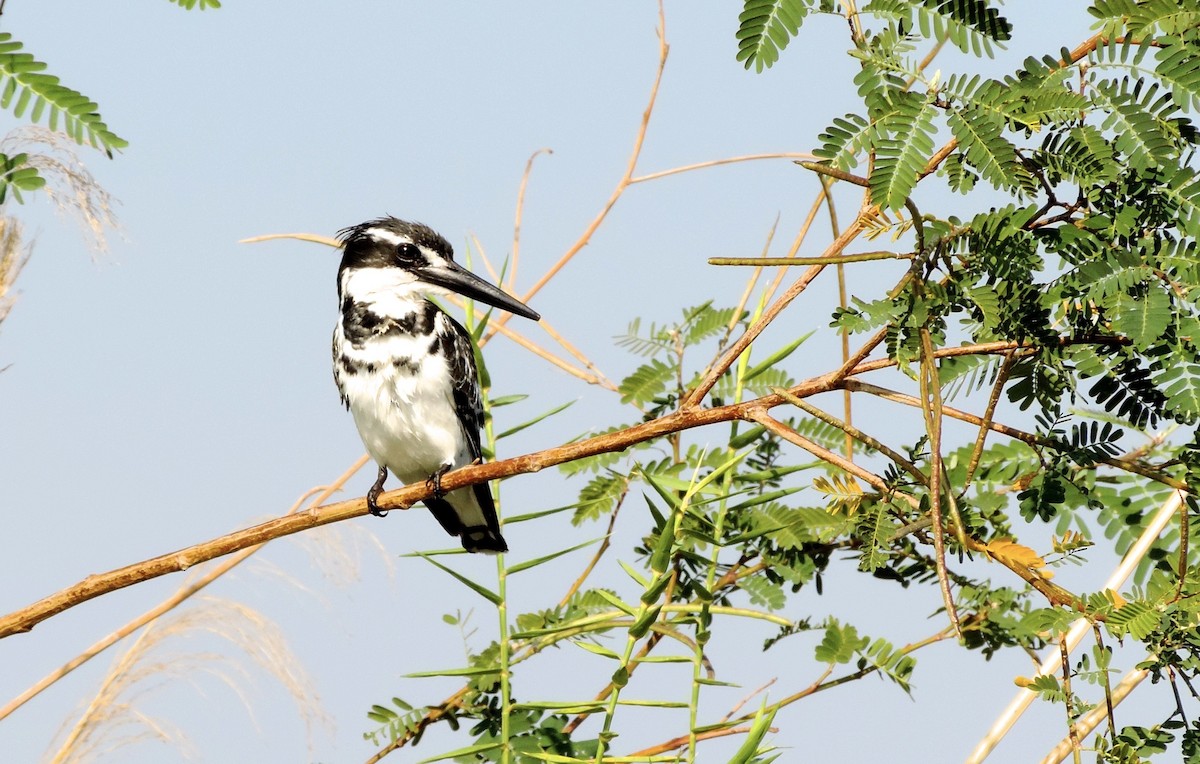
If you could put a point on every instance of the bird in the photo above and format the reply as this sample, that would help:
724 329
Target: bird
406 370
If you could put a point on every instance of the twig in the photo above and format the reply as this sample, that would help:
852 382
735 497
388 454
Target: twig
717 162
855 433
626 178
1008 717
986 424
184 593
706 383
516 247
822 453
682 741
860 257
747 698
931 409
1012 432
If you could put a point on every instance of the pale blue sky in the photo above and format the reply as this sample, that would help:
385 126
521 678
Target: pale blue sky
178 387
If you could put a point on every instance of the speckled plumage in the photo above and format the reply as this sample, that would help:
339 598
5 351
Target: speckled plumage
406 370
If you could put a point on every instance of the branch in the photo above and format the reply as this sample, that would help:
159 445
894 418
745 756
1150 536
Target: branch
697 394
102 583
622 184
1128 466
184 593
1008 717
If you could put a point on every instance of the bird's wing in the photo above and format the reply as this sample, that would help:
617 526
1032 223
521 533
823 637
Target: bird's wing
464 376
468 402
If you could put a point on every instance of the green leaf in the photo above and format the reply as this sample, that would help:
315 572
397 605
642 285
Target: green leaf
535 420
596 649
645 382
844 140
481 671
981 136
901 157
471 750
765 28
22 75
1143 317
484 592
520 566
616 602
839 644
762 723
777 357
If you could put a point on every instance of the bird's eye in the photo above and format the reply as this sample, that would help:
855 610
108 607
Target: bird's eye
407 253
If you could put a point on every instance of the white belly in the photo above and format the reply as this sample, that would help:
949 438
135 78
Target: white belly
405 416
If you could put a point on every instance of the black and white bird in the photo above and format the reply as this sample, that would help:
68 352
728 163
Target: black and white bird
406 370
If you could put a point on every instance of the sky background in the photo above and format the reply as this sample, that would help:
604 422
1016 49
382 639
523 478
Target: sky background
178 386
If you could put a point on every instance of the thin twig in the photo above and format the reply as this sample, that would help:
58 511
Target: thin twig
986 424
183 594
682 741
1128 466
516 247
856 434
718 162
931 409
1008 717
706 383
626 178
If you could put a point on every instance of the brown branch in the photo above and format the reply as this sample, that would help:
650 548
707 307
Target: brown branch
184 593
1128 466
516 248
931 408
697 394
102 583
822 453
683 740
718 162
985 425
856 434
626 178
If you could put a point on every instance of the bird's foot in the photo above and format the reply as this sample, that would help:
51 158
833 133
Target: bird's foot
434 483
373 494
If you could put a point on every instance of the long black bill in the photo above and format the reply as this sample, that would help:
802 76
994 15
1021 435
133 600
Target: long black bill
457 279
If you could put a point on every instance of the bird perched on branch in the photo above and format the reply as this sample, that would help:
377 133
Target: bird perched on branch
406 370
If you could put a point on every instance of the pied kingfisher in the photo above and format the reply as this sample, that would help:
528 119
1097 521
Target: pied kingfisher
406 370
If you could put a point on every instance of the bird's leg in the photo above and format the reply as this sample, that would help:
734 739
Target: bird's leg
434 483
373 494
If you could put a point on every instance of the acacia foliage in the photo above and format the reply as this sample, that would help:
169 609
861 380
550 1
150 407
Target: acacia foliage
1073 288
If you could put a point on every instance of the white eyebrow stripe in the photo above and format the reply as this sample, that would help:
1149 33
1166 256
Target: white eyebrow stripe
389 236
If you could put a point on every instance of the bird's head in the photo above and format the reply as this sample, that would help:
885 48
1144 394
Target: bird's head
395 255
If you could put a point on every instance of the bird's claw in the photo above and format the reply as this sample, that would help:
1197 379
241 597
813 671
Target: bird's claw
434 483
373 494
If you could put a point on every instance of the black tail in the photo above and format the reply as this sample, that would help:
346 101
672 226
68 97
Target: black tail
475 538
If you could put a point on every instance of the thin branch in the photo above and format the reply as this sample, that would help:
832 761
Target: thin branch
931 409
986 424
859 257
717 162
1008 717
516 247
857 434
682 741
1128 466
183 594
706 383
626 178
822 453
